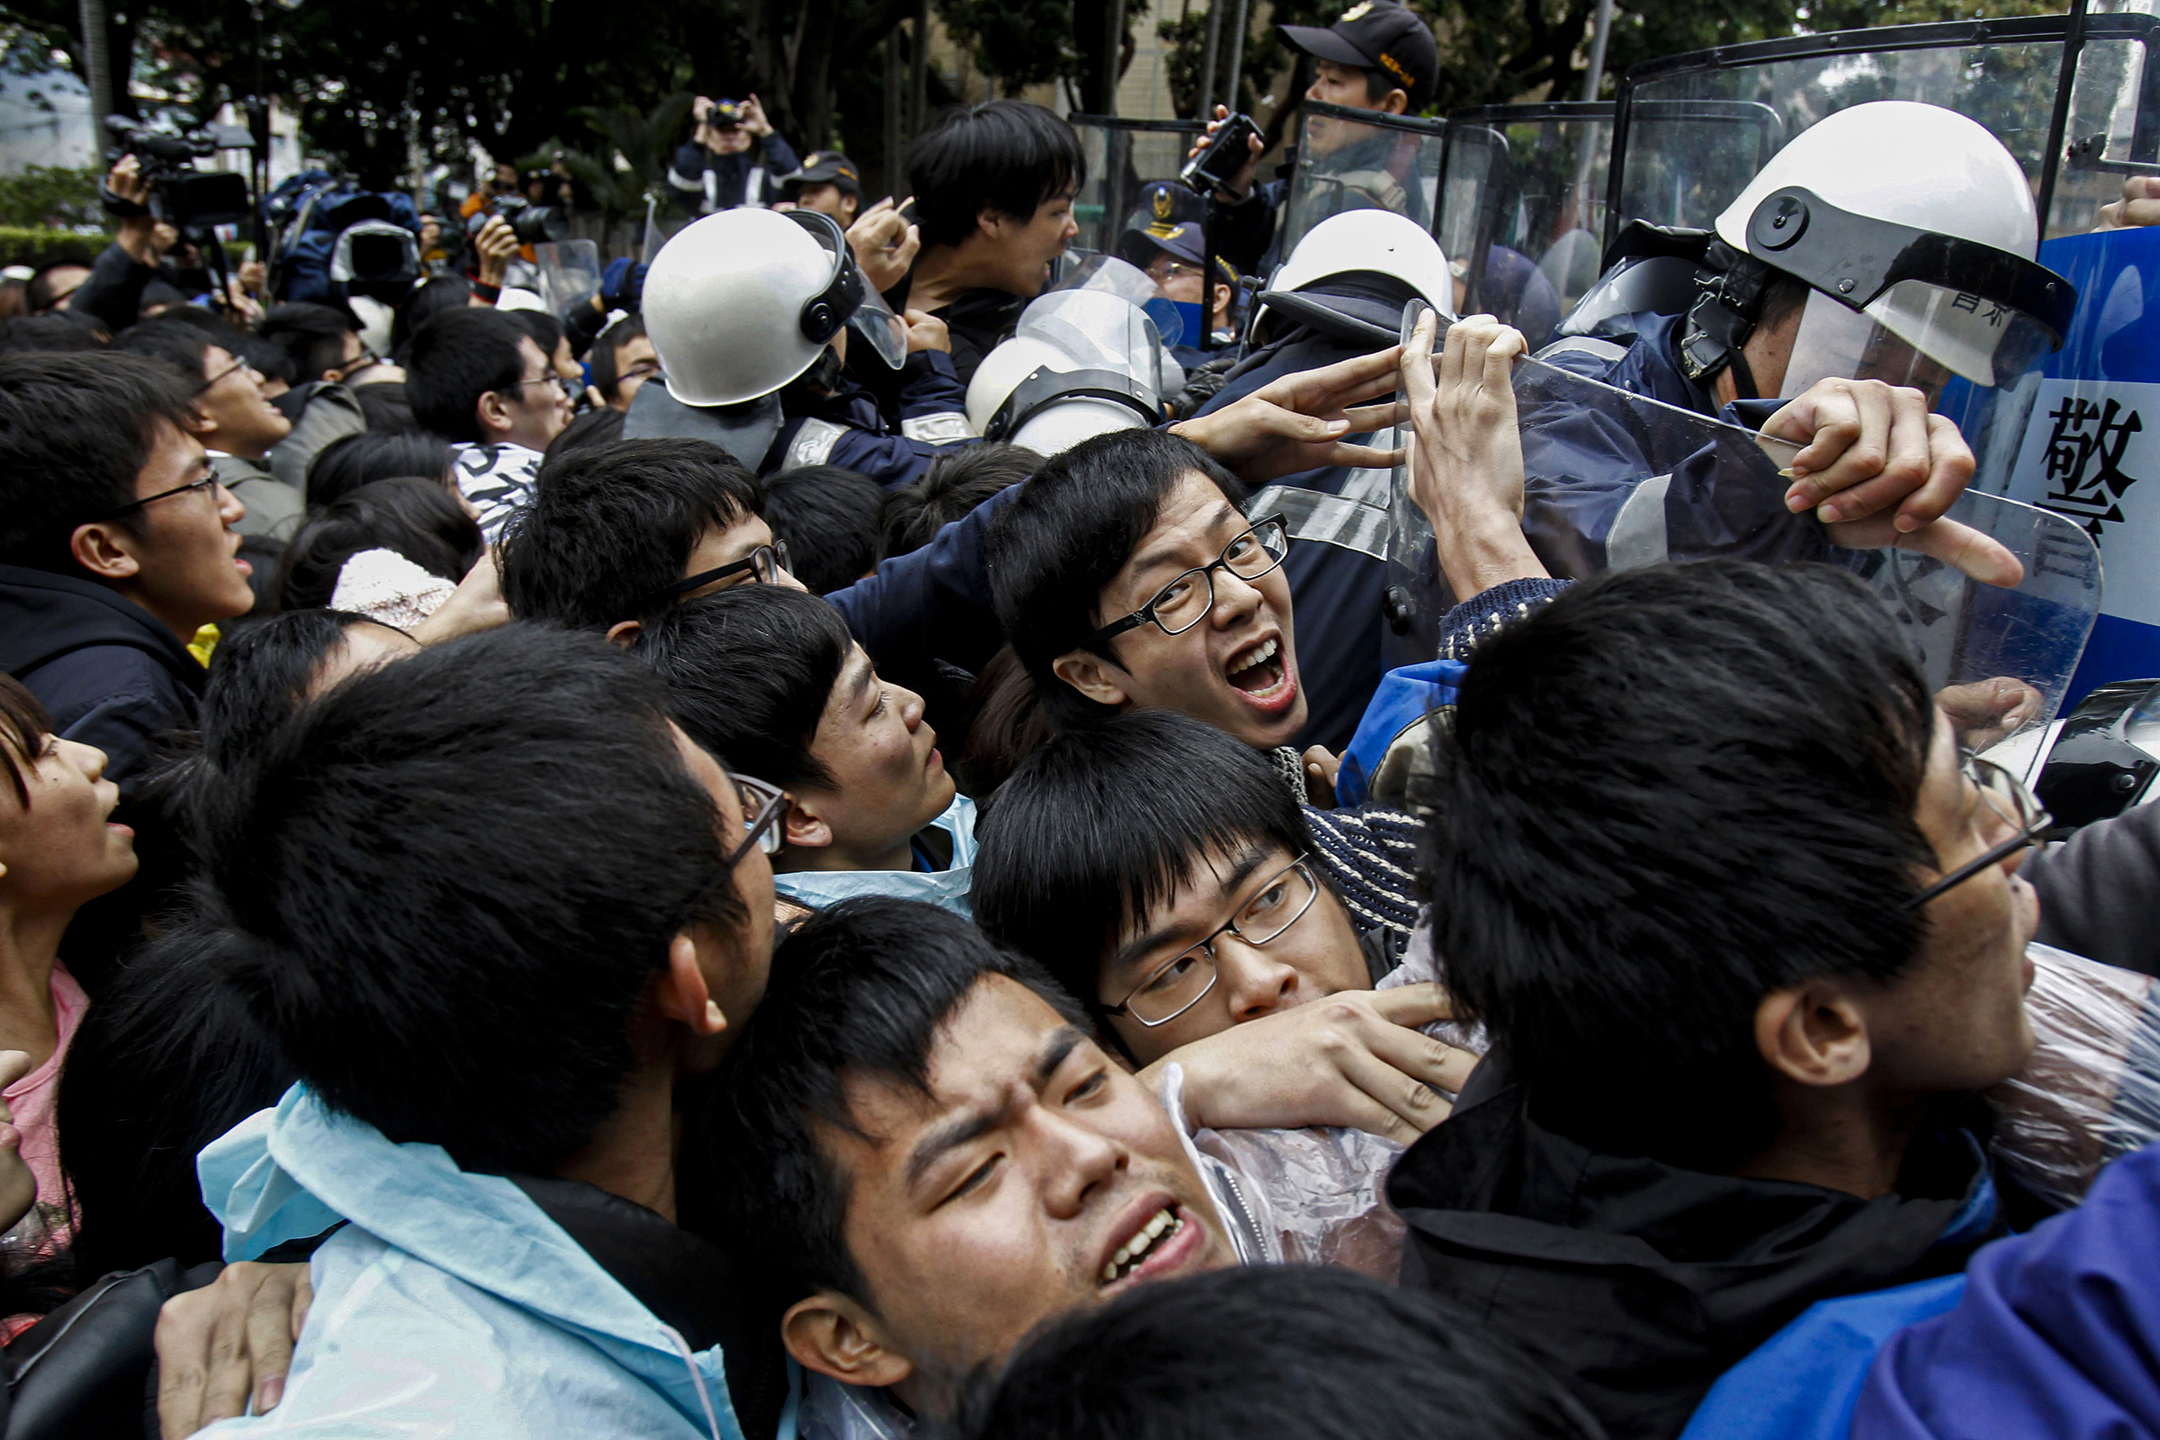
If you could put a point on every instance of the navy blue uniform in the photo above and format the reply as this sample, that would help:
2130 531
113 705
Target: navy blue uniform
848 429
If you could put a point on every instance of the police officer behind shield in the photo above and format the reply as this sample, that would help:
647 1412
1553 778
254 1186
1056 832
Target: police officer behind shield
1378 56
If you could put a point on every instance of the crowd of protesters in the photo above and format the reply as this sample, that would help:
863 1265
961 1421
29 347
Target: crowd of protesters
625 873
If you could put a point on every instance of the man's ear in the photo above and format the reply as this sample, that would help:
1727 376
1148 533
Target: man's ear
683 995
834 1336
625 632
804 825
492 412
1813 1034
105 550
1395 102
1092 676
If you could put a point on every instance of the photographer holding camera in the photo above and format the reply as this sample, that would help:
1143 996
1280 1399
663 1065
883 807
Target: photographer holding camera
735 157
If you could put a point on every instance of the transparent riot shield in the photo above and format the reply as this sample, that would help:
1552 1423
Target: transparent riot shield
1360 160
1522 208
2112 121
1123 158
1674 485
1675 165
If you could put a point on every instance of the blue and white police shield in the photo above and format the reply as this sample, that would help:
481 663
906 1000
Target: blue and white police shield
2088 447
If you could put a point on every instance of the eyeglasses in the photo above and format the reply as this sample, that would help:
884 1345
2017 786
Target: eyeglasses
762 807
764 564
208 385
1177 986
1185 601
208 482
561 385
2004 793
643 370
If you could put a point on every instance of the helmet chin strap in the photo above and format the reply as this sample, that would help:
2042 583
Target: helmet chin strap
1730 287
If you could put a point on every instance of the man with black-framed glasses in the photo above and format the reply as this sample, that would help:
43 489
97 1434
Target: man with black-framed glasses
236 423
117 545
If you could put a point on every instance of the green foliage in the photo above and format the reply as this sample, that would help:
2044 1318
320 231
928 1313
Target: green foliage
646 142
50 196
36 245
1022 42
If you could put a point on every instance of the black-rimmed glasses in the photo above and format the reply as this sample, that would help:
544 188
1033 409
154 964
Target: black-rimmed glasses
2004 793
562 386
1186 600
1182 981
764 564
208 482
762 807
208 385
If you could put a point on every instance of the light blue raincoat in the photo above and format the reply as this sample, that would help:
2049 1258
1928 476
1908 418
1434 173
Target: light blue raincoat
947 889
451 1304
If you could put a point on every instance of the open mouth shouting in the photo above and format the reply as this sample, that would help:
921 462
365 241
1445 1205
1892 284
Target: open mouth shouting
1261 673
1162 1242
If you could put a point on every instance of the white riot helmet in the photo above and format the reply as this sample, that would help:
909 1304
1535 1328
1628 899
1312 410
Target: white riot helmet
740 303
1081 363
1916 233
1351 275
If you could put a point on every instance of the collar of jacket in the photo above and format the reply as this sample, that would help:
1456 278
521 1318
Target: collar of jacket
44 615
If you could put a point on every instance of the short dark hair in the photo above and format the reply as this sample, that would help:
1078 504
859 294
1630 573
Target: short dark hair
351 461
312 336
47 334
457 357
419 519
1102 825
611 524
482 1007
956 482
433 295
828 514
1313 1351
545 329
604 376
748 671
39 292
75 431
859 990
1068 533
384 405
180 343
601 425
1671 792
1006 156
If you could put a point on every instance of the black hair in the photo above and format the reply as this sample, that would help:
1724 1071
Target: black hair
39 292
457 357
384 406
418 519
1312 1351
1066 536
545 329
861 990
956 482
260 676
312 336
24 724
601 425
435 295
612 339
351 461
828 515
748 671
47 334
1067 864
180 343
610 525
1671 792
1006 156
75 431
482 1007
266 355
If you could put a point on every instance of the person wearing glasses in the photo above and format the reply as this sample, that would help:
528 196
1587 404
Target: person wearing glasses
1704 827
117 545
476 378
489 1054
237 425
769 677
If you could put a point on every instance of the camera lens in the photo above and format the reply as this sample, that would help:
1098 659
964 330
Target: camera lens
539 224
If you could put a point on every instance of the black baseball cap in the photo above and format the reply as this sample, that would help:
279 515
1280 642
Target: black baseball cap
1377 35
827 167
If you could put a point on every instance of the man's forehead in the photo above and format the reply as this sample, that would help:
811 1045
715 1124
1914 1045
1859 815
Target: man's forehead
1193 514
991 1039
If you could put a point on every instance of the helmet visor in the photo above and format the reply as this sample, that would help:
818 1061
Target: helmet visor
849 297
1099 331
1915 334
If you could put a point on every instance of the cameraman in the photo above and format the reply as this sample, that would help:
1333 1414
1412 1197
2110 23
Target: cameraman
112 297
734 158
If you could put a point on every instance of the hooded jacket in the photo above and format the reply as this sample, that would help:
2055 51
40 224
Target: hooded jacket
1642 1282
110 674
479 1305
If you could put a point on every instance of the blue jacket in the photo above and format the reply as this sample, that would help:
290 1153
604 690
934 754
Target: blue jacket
450 1303
946 888
2056 1333
705 182
848 429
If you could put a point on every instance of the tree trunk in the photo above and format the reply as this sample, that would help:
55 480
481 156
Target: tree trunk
97 69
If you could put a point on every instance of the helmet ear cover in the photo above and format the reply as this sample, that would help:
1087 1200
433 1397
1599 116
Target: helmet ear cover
1044 387
825 312
1730 289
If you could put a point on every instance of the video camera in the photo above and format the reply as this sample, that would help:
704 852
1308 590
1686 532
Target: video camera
180 194
533 224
